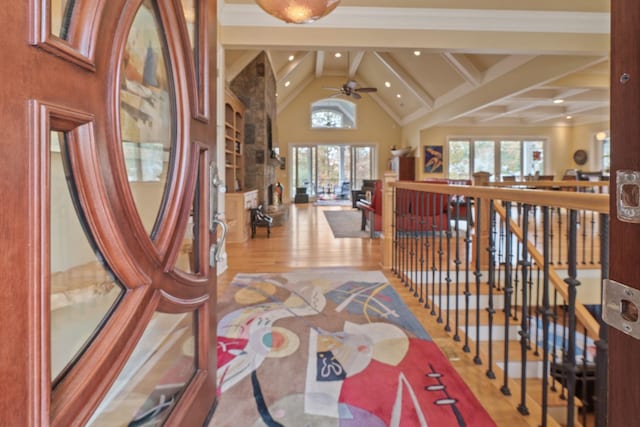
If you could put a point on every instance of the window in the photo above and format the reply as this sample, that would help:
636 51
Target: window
324 169
499 157
459 159
333 114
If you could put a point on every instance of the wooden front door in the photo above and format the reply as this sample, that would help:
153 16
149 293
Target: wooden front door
624 351
108 299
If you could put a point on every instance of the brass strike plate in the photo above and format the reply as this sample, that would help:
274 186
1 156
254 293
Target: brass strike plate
620 307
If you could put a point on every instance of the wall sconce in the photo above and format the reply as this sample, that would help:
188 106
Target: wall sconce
298 11
601 136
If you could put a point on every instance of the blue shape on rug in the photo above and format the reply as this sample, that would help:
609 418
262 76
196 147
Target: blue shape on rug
377 300
328 368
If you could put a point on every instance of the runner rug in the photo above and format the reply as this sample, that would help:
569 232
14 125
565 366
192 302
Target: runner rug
332 348
346 223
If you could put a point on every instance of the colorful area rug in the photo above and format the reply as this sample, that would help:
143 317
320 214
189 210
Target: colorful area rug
332 348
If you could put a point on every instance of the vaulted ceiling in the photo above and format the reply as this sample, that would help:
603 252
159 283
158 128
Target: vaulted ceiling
435 62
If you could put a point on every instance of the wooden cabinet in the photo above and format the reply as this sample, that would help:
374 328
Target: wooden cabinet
405 167
237 214
233 142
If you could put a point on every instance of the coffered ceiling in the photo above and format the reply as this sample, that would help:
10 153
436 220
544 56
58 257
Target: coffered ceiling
436 62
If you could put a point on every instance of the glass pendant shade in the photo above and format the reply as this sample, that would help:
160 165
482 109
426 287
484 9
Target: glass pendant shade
298 11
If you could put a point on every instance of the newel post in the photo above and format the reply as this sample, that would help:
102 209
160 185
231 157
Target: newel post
387 218
483 220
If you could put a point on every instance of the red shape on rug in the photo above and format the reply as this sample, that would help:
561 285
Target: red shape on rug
375 390
226 347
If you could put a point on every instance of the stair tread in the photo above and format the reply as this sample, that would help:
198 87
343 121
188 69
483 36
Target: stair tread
534 389
498 317
515 351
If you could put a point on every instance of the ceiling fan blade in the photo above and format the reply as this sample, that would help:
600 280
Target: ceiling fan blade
335 89
366 89
356 95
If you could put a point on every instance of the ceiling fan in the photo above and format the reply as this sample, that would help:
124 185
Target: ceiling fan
350 88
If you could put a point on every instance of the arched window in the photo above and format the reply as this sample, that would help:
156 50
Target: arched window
333 114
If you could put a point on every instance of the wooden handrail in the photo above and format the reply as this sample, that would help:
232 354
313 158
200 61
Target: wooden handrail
585 317
546 184
560 199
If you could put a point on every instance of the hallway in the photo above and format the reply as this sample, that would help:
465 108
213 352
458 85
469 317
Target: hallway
306 242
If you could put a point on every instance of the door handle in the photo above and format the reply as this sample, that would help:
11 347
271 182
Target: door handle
216 248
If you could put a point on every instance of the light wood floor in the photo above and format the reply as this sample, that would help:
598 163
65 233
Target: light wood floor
306 241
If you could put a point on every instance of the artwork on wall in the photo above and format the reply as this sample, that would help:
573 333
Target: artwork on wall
433 159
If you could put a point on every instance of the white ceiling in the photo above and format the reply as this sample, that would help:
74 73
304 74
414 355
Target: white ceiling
479 64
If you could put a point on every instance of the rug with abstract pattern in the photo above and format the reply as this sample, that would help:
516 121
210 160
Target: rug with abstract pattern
334 348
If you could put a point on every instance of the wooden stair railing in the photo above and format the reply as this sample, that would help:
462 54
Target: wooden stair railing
404 253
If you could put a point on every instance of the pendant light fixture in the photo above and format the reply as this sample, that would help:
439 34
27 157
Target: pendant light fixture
298 11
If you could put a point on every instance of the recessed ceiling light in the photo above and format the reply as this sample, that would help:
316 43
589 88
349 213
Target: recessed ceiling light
416 52
276 94
291 57
338 55
398 96
387 84
558 101
287 83
569 117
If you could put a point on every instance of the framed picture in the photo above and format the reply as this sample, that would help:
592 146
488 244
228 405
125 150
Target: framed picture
433 159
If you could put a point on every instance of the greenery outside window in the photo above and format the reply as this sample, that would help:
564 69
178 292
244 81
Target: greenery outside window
500 157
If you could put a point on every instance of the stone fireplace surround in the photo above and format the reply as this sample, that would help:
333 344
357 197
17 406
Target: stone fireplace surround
255 86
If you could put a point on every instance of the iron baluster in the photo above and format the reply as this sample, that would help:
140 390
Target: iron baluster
491 281
524 327
478 276
433 253
546 313
440 255
421 227
572 282
467 293
427 247
447 326
508 290
457 262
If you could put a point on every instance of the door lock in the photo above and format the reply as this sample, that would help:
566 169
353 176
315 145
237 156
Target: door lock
620 304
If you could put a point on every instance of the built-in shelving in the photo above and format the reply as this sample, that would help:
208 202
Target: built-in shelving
233 142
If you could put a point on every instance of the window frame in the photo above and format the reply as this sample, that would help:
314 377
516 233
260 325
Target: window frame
338 106
496 173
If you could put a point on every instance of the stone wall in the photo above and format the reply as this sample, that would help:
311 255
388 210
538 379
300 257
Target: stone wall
256 88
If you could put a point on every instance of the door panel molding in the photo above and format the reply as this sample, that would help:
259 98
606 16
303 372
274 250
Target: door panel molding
71 85
172 304
79 46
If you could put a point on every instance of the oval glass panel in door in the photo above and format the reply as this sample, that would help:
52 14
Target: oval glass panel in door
147 114
154 377
83 290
